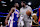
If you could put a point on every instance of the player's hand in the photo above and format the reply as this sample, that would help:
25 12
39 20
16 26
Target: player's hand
6 21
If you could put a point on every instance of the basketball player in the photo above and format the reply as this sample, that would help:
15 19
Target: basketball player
25 12
14 12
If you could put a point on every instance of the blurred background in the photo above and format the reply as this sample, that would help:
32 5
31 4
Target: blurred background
5 6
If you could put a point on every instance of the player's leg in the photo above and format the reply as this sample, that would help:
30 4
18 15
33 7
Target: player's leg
14 24
22 23
11 24
19 24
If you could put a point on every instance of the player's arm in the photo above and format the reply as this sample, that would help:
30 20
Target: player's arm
35 19
30 10
12 9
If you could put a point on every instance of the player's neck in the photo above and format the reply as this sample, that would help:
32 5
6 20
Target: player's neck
25 6
16 8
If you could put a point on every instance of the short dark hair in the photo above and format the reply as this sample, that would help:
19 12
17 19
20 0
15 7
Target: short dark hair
23 2
16 2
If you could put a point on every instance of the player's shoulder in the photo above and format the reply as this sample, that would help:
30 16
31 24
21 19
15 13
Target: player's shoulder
13 8
17 10
28 6
21 8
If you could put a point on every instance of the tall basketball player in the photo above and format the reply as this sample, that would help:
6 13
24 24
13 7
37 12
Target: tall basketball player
26 12
13 14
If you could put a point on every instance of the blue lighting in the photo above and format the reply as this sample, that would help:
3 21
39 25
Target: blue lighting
3 13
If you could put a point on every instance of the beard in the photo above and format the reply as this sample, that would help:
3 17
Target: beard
17 7
23 6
